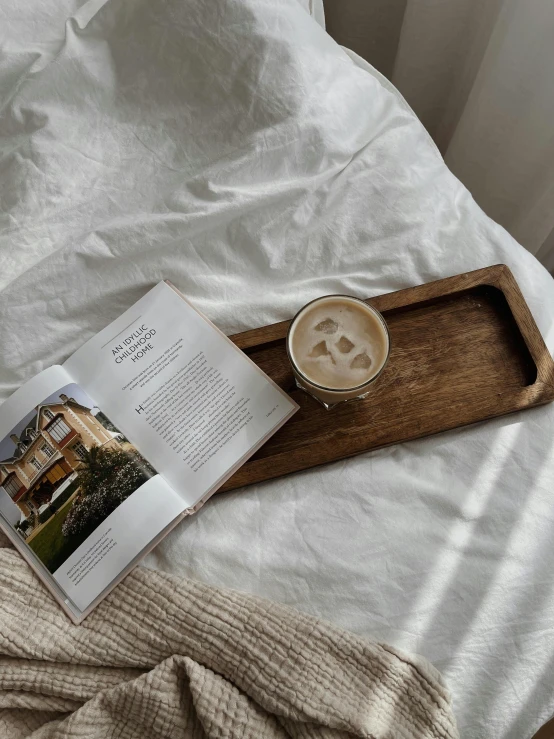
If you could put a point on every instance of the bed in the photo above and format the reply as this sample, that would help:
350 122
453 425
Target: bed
234 148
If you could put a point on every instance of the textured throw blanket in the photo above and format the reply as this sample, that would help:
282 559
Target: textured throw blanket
164 657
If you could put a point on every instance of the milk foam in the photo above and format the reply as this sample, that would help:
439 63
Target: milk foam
338 343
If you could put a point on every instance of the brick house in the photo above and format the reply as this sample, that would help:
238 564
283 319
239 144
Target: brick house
49 451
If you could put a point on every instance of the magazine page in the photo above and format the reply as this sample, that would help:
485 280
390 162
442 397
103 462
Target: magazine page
193 403
74 489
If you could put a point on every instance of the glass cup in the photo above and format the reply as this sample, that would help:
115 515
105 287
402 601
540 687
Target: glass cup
327 395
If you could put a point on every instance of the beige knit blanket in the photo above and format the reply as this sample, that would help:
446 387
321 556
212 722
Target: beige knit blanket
164 657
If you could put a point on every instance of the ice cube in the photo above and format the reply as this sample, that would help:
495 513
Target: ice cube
344 345
361 361
319 350
327 326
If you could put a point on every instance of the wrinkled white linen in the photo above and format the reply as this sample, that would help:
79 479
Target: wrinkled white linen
233 147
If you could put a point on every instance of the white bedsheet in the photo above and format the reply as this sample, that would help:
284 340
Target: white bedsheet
233 147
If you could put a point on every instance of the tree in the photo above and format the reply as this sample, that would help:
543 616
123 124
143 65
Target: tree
106 479
105 421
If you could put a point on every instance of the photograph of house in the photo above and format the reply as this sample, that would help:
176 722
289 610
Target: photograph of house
63 469
49 452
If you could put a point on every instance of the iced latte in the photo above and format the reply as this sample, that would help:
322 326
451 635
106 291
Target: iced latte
337 346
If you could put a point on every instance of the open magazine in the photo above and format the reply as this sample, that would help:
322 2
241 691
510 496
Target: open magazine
100 457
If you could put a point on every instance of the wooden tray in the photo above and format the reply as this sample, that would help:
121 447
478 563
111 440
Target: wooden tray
463 349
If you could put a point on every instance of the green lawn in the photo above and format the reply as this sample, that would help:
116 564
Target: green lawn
50 545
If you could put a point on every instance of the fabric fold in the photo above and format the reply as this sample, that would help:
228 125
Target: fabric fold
164 656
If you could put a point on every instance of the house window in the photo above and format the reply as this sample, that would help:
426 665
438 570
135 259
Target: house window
80 450
31 433
47 450
36 464
59 429
48 414
12 486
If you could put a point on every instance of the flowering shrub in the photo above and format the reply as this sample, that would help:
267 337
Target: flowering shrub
109 476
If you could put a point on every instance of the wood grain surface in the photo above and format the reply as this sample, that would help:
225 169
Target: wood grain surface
463 349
